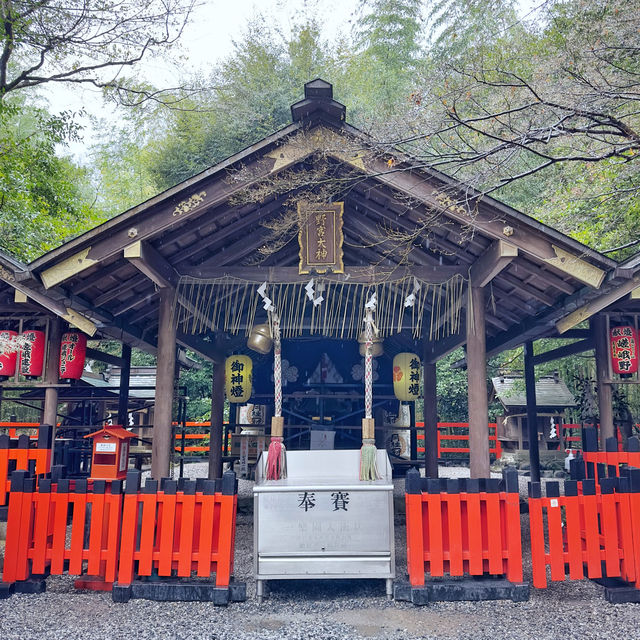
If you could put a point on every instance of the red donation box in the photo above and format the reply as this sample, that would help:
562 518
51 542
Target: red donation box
8 358
32 354
624 349
73 352
110 458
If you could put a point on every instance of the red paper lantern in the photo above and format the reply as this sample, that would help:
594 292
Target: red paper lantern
624 349
8 359
32 354
73 351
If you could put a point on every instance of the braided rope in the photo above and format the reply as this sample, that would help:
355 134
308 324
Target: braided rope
277 366
368 366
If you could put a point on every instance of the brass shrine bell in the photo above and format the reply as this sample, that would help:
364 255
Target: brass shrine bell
377 348
260 339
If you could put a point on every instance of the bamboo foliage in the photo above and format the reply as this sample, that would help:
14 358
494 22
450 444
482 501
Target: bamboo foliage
231 305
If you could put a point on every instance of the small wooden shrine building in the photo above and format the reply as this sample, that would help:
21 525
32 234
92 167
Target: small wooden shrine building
320 200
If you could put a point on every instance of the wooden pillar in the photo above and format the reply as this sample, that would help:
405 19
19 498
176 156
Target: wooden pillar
166 365
532 412
50 406
123 395
430 416
477 383
50 411
413 433
217 416
605 399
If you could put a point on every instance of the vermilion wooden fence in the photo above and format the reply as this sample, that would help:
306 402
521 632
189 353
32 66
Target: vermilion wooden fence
463 526
191 529
27 453
588 532
88 528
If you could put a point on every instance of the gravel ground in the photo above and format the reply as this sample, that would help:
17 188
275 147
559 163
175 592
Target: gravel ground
309 610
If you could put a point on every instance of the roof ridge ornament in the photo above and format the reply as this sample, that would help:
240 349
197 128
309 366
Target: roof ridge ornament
318 103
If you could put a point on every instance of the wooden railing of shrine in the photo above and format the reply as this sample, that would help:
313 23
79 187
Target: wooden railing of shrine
27 454
463 526
180 527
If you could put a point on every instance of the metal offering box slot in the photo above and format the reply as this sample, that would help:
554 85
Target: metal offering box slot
322 521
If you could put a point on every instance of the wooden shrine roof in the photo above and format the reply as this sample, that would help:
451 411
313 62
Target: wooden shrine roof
109 277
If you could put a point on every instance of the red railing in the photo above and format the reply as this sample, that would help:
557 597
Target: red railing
184 527
28 452
455 442
463 526
592 530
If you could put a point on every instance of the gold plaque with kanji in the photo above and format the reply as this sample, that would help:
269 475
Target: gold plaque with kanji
320 238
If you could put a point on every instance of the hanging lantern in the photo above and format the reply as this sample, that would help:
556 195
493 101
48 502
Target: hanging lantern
238 375
8 358
406 376
32 354
624 349
73 352
260 339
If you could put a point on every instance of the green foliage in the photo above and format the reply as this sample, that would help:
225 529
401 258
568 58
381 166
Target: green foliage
45 198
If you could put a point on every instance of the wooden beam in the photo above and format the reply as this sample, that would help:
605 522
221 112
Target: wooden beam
590 308
498 256
605 396
369 274
102 356
430 417
526 237
123 395
148 261
165 371
477 386
207 350
217 419
532 412
70 315
185 202
563 352
442 348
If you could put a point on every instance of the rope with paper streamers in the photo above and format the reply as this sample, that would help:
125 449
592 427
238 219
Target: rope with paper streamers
326 306
368 452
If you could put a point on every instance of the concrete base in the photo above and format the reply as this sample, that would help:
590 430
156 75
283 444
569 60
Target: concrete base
180 591
6 589
617 591
467 589
36 584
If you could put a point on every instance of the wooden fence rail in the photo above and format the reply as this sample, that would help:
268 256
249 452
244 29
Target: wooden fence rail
90 528
28 453
463 526
592 533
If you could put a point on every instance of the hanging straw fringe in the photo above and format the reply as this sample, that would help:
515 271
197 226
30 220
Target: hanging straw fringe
230 304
